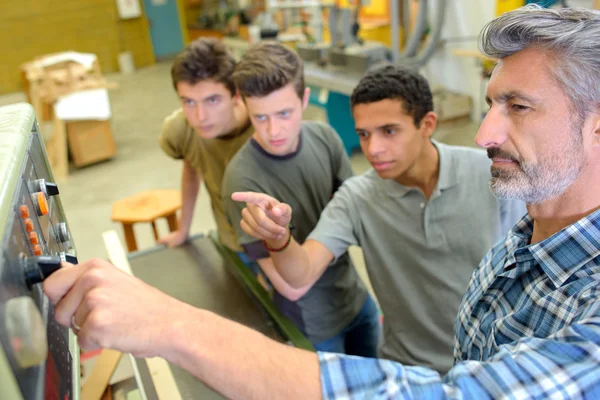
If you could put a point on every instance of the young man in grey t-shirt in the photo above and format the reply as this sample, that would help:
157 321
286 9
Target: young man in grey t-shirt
302 163
424 217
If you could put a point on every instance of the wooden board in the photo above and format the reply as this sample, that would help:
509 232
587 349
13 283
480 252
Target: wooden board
95 385
163 379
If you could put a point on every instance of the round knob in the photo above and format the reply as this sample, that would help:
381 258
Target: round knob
26 331
40 202
39 268
62 233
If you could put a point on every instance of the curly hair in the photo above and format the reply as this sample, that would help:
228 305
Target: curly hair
395 83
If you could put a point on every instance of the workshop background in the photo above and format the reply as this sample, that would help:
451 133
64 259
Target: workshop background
98 75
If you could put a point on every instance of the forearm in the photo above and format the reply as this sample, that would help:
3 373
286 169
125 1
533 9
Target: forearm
238 362
293 264
190 186
301 266
523 367
279 283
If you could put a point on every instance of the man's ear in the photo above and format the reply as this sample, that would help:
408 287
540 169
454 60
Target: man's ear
428 124
305 98
594 121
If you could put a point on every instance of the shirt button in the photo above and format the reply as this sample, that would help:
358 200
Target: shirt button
422 205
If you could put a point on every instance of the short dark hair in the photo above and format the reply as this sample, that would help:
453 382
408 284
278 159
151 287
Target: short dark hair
204 59
267 67
395 83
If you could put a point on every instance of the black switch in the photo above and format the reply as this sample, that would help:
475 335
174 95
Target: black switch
39 268
51 189
70 258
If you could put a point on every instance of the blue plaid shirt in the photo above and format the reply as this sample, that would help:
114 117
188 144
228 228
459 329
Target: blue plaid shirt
528 327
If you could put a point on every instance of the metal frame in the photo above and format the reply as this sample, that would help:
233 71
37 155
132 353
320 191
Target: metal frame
343 81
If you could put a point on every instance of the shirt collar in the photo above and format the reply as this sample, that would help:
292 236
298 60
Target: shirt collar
448 175
560 255
265 153
447 178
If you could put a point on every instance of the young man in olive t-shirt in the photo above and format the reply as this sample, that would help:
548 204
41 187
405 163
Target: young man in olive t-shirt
206 132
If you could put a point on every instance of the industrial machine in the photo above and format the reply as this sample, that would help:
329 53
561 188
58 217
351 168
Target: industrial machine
345 49
38 358
349 52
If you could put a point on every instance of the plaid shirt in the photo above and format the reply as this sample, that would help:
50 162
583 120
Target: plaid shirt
528 327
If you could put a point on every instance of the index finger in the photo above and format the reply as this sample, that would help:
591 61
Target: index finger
259 199
57 285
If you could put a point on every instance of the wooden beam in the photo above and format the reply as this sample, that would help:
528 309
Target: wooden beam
162 377
96 384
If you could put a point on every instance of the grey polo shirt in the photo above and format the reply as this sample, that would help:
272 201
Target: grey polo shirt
420 254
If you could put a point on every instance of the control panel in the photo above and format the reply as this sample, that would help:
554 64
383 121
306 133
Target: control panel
38 358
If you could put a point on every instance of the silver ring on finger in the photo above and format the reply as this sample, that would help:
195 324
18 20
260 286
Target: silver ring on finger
76 328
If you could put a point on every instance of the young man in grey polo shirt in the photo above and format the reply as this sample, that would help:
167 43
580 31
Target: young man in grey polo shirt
424 216
304 163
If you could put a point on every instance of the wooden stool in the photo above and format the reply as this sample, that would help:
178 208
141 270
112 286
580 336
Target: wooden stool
147 206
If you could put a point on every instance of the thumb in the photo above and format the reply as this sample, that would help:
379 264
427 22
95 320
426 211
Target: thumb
282 214
278 211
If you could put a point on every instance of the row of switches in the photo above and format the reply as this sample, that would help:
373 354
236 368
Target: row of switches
40 202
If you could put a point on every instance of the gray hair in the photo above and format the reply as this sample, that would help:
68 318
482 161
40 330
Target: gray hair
571 35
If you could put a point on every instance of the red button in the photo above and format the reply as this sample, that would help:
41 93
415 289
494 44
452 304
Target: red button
37 250
28 225
24 211
33 238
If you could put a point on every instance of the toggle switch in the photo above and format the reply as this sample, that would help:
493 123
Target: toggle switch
51 189
24 210
28 225
48 188
37 250
33 238
70 258
39 268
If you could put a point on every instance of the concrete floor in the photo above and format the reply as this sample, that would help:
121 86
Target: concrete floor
139 105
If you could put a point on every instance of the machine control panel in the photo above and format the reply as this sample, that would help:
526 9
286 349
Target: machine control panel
41 355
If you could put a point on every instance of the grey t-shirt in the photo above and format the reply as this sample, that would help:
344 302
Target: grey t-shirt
420 254
306 180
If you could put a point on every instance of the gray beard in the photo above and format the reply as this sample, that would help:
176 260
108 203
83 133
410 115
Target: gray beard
535 184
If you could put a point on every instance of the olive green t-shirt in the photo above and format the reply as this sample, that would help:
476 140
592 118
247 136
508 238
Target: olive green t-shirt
207 156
